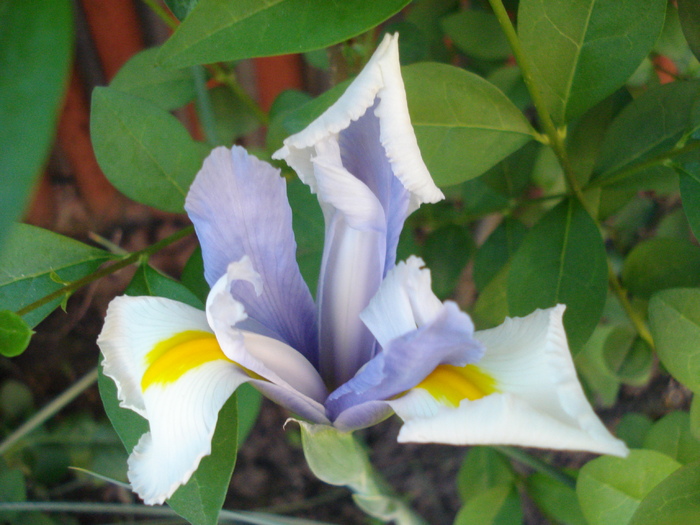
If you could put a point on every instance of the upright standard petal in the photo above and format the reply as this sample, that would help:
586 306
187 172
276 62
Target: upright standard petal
378 83
169 368
239 207
523 392
362 159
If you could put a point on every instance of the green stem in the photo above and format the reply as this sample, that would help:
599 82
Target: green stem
633 315
107 270
229 80
161 13
657 160
251 518
555 136
537 464
49 410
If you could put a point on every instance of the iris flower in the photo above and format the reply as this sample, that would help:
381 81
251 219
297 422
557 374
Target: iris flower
376 341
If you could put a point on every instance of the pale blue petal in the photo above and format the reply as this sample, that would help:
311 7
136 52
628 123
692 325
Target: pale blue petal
239 207
407 360
364 156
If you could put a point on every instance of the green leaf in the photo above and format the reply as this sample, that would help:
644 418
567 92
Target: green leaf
690 195
234 118
193 275
464 124
651 125
482 469
695 417
181 8
562 260
689 15
671 436
610 489
497 250
446 252
556 500
674 317
491 307
477 34
144 150
201 498
582 51
15 334
218 30
661 263
674 501
142 77
35 52
499 505
633 428
149 281
249 403
309 231
30 259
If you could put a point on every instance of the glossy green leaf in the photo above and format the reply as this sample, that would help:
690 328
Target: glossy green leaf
633 428
141 76
144 150
427 16
610 489
491 307
593 366
695 417
689 15
218 30
482 469
497 250
690 195
651 125
35 262
35 52
15 334
201 498
582 51
477 34
661 263
464 124
149 281
671 435
193 275
498 505
309 231
446 252
556 500
181 8
674 501
562 260
674 317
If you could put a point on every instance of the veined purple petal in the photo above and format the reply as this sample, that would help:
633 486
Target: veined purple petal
239 207
364 156
407 360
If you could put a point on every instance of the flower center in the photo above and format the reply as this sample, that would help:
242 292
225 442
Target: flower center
451 384
171 359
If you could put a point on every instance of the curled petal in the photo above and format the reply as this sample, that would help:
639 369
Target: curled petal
182 418
539 401
404 301
379 82
260 354
407 360
133 327
239 207
168 367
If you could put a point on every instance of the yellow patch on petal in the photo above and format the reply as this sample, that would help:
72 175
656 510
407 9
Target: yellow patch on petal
451 384
171 359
